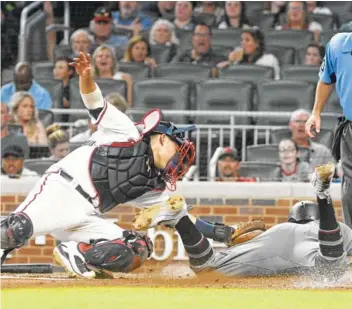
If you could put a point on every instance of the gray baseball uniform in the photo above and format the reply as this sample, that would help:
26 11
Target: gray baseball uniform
286 248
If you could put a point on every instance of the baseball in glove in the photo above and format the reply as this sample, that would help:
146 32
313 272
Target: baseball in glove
246 231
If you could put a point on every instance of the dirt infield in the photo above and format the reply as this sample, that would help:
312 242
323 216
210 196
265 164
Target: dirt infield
172 276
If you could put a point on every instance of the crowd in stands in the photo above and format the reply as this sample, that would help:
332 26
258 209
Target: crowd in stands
128 35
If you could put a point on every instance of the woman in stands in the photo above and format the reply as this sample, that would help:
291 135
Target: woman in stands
252 51
314 54
297 19
291 167
63 71
105 66
235 15
138 51
163 33
25 113
58 142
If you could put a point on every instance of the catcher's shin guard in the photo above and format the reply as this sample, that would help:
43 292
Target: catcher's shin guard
119 255
16 229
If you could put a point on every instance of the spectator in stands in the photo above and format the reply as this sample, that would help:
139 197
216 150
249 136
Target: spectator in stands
210 7
183 15
102 26
12 162
114 99
313 153
225 165
298 19
25 113
292 169
23 81
81 41
105 66
202 52
9 137
58 142
138 51
63 71
314 54
317 7
163 33
277 8
235 15
166 9
252 51
129 18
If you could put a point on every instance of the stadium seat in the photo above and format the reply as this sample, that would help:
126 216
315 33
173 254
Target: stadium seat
208 19
285 55
38 165
261 170
185 38
263 153
344 18
326 36
43 70
47 117
264 21
254 7
304 73
226 37
243 72
339 7
76 100
223 95
161 93
183 71
161 54
324 137
283 96
55 87
327 21
108 85
62 51
289 38
136 70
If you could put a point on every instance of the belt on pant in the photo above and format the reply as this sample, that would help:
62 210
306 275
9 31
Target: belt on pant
78 188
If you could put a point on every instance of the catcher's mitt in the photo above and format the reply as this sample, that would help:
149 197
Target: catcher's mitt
246 231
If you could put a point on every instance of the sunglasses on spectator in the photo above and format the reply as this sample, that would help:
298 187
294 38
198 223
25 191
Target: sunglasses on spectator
102 22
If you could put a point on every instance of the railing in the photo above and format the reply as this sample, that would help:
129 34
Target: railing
210 136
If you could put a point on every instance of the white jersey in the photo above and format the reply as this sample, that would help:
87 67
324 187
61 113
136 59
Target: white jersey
113 127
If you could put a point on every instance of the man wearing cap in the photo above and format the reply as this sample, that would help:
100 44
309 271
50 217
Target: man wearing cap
130 18
225 165
314 153
12 161
101 26
337 69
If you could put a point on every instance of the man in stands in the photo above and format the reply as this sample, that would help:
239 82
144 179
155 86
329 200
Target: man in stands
311 152
201 53
129 18
101 27
225 165
9 138
23 81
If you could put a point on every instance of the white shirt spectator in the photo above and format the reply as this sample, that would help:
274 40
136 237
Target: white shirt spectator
269 60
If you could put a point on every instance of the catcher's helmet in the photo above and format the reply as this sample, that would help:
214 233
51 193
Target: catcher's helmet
303 212
184 157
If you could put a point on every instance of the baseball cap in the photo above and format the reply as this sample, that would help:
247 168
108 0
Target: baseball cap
13 150
102 14
229 152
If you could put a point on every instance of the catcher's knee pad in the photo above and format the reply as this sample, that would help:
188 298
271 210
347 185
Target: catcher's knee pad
15 230
119 255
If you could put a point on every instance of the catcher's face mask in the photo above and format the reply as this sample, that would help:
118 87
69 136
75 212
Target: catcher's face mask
182 160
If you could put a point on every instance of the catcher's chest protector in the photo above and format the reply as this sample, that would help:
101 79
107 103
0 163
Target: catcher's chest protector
123 172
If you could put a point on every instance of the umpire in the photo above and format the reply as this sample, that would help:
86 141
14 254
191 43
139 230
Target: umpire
337 68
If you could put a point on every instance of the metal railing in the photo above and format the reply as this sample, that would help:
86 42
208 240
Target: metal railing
23 35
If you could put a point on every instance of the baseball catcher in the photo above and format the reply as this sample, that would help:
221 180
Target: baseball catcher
311 242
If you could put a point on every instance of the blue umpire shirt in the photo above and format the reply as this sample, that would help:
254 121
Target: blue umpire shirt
337 68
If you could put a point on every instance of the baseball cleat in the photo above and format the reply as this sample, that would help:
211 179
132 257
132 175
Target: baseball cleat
68 256
168 213
322 177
